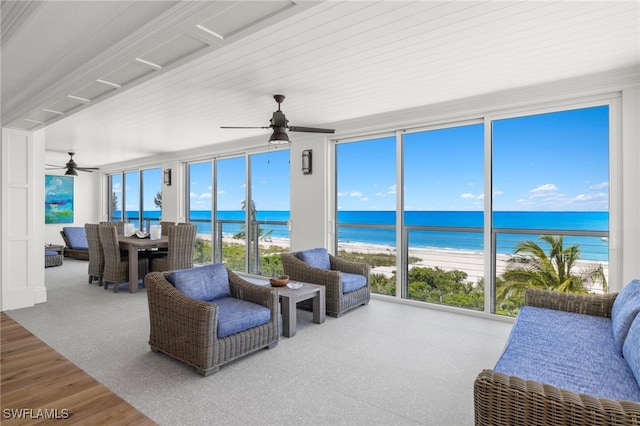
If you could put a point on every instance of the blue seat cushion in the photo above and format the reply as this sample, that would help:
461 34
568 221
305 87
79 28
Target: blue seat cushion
352 282
624 310
235 315
569 351
318 258
631 349
51 253
76 236
207 283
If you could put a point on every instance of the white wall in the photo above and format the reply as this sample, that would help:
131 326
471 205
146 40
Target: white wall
629 232
310 196
22 219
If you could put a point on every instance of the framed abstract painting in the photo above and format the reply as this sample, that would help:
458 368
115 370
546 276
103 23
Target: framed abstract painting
58 199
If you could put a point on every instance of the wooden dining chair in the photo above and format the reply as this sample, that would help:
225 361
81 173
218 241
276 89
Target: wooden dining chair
182 241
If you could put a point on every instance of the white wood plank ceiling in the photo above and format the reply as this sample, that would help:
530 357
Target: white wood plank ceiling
172 73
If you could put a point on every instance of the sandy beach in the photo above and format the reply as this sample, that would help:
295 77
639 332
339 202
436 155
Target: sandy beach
471 262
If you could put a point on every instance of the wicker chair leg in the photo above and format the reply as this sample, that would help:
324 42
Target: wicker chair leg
207 371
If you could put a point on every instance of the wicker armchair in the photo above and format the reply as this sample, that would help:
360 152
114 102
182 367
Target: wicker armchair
337 301
179 254
186 328
96 253
500 399
116 268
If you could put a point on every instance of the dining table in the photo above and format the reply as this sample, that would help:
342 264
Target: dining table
134 244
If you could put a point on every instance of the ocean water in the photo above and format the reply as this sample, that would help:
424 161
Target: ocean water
591 247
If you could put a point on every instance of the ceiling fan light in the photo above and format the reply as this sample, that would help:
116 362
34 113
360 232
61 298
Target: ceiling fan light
71 172
279 136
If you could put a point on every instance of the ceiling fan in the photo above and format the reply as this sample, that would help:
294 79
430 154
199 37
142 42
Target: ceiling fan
71 166
280 125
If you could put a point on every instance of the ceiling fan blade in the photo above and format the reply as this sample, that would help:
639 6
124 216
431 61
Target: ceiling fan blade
53 167
87 169
310 129
236 127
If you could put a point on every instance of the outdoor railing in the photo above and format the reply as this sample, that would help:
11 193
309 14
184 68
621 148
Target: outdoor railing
434 253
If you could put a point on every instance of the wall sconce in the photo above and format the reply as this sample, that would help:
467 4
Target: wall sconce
306 162
167 177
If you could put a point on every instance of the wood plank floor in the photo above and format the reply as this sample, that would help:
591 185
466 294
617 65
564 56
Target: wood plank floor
40 386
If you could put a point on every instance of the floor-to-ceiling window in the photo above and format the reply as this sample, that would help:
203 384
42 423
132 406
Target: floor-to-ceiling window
219 190
199 207
443 177
366 207
269 211
550 203
136 196
115 197
488 208
230 213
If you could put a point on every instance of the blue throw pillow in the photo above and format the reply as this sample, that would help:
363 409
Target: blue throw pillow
77 237
318 258
624 310
205 283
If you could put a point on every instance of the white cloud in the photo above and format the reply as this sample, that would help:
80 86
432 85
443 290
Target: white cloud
544 188
205 195
364 199
469 195
355 194
600 185
590 197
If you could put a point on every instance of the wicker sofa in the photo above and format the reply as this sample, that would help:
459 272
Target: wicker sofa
208 334
570 360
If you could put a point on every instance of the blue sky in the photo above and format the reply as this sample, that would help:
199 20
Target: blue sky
548 162
270 179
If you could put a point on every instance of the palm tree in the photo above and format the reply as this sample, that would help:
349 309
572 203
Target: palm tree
555 271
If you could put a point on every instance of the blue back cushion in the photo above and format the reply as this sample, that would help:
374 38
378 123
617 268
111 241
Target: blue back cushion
208 283
631 349
77 237
624 310
318 258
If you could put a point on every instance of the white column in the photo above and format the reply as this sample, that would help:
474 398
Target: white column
22 219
